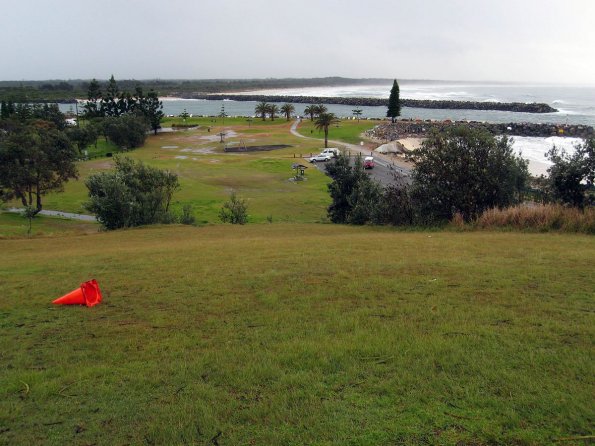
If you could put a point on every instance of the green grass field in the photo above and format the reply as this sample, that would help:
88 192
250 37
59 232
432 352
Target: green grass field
348 131
298 334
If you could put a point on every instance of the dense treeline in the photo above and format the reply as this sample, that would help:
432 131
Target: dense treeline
113 102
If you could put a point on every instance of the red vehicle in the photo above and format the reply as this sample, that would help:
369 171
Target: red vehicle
368 162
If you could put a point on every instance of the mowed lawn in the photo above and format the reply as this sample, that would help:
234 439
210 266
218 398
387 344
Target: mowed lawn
349 131
298 334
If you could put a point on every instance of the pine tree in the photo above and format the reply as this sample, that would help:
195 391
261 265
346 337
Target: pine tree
94 96
110 99
394 103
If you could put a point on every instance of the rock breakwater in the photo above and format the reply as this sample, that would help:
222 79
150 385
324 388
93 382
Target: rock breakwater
520 107
405 128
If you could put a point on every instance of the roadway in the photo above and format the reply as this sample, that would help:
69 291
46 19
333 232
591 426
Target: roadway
385 171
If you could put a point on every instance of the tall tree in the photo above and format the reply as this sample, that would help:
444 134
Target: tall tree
261 109
110 100
319 109
394 102
82 136
153 110
465 171
310 110
3 110
287 110
222 113
357 113
92 107
33 162
127 132
273 109
323 121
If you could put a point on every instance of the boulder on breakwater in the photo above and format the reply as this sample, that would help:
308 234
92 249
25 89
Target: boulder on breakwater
379 102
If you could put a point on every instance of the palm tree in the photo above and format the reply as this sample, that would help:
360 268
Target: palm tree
320 109
272 109
323 121
357 113
287 110
261 109
310 110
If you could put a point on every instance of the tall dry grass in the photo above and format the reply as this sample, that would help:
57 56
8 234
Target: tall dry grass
538 217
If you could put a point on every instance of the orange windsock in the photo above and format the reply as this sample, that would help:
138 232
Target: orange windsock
87 294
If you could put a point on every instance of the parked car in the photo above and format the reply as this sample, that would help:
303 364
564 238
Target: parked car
333 152
321 157
368 162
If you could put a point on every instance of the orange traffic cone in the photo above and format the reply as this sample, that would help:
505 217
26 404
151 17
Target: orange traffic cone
87 294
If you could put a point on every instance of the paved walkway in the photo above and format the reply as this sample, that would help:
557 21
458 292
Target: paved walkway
49 213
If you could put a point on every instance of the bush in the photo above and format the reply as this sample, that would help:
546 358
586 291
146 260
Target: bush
572 177
395 207
187 217
132 195
234 211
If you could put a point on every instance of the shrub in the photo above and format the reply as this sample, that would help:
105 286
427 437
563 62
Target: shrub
132 195
234 211
187 217
395 207
571 177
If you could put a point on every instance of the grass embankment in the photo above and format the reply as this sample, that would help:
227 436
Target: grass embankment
208 174
298 334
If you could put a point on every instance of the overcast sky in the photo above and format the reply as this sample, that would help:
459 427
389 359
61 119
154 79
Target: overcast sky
550 41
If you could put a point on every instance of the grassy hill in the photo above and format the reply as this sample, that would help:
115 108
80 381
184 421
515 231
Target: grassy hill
298 334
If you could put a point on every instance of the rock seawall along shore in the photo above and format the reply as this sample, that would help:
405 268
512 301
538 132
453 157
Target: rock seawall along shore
379 102
404 128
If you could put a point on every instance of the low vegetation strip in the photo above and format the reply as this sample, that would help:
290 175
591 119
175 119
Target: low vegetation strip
298 334
548 217
379 102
